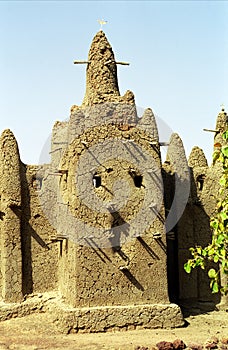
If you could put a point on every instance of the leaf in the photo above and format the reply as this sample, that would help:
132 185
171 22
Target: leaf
212 273
214 224
225 135
215 155
215 287
221 226
223 264
216 258
204 252
192 250
222 181
225 151
187 267
223 216
211 251
223 253
199 250
219 204
220 239
221 157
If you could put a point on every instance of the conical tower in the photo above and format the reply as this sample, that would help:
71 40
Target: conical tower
101 73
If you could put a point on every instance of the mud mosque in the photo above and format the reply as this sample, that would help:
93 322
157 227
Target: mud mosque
104 227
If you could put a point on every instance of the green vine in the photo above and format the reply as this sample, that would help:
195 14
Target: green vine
216 251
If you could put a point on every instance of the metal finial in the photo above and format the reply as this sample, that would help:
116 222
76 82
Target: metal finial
101 22
222 107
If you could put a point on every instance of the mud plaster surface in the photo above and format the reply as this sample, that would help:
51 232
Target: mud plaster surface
36 332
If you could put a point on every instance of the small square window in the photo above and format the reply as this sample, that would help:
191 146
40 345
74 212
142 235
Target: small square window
96 181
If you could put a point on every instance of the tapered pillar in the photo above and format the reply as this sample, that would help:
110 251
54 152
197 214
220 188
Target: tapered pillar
10 218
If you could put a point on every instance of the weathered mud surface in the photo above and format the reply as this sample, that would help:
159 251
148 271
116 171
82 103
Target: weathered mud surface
37 332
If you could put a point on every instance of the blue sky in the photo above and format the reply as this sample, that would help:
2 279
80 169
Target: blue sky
177 52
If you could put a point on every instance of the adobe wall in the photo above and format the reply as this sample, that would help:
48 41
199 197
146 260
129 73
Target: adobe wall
131 272
40 253
42 263
193 229
28 257
176 178
194 226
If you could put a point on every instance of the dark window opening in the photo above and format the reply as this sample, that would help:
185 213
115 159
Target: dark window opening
2 214
37 183
36 216
138 180
200 181
96 181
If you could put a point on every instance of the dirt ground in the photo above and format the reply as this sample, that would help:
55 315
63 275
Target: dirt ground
36 332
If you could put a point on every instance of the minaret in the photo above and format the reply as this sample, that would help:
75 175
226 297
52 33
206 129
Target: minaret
101 73
221 126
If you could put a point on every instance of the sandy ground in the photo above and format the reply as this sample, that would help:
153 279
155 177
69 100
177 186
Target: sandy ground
36 332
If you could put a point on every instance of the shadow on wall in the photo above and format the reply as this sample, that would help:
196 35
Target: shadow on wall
190 290
27 233
117 223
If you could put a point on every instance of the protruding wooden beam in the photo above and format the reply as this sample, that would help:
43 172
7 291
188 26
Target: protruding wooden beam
81 62
63 171
55 150
210 130
110 61
157 235
57 238
163 143
122 63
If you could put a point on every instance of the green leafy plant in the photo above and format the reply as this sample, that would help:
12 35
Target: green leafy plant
216 251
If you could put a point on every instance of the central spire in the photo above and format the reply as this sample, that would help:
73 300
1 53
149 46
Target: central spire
101 73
